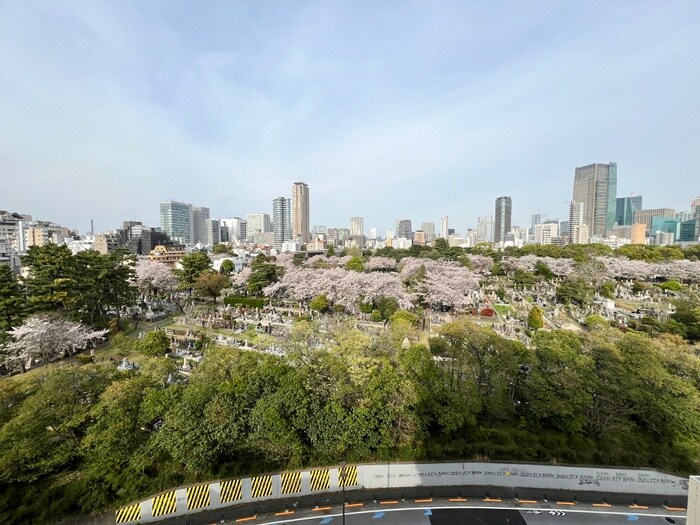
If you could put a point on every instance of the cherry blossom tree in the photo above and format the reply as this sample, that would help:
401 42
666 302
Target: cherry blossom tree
153 278
381 264
480 263
450 284
46 337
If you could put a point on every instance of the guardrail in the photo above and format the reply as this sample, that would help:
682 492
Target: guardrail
382 476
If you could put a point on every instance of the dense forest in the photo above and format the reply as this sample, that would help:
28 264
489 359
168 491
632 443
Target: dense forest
79 439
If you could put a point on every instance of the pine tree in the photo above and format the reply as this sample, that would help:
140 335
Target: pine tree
13 303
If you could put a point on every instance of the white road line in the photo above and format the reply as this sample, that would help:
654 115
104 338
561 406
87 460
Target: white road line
478 507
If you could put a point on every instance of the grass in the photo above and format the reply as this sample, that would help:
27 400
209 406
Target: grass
504 309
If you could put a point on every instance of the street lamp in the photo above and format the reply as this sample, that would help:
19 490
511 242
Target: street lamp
342 477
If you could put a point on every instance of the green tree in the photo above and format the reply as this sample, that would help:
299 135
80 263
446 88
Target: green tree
193 265
543 270
688 316
51 280
535 319
355 264
330 252
320 303
221 248
299 258
574 290
263 273
210 284
155 344
13 303
227 267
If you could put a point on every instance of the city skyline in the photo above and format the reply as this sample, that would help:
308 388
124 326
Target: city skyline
230 120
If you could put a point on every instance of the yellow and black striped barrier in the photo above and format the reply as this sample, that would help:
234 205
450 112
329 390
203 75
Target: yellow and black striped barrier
320 479
164 504
198 497
130 513
291 482
261 486
347 476
230 491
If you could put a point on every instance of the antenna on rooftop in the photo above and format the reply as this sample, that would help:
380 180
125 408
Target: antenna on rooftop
92 227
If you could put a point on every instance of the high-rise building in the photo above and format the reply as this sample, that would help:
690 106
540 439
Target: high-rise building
595 186
176 221
236 229
429 231
404 230
212 233
578 230
537 218
645 216
502 223
372 233
625 208
638 234
357 226
200 215
484 229
419 238
444 226
544 233
300 212
258 223
281 220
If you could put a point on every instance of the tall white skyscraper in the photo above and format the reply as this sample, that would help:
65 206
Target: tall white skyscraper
357 226
281 220
200 214
578 230
484 229
444 227
301 228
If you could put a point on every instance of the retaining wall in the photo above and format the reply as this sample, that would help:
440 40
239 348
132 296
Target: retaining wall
393 476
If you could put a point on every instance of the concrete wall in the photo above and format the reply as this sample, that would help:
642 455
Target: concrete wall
397 476
694 501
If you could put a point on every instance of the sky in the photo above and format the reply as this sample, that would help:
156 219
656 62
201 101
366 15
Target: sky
386 109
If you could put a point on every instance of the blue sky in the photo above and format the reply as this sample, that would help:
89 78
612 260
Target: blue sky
387 110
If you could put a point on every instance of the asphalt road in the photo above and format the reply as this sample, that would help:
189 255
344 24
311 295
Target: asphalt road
480 516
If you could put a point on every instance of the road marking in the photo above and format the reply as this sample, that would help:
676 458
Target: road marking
635 506
531 501
675 509
428 512
427 500
602 505
477 507
566 503
285 513
457 499
249 518
632 517
325 521
378 515
492 500
350 505
315 509
389 502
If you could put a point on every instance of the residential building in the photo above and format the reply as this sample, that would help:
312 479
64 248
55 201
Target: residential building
401 243
258 223
626 206
404 230
281 220
107 242
595 186
357 226
638 234
200 232
444 226
43 233
177 222
300 213
419 238
645 216
577 230
544 233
